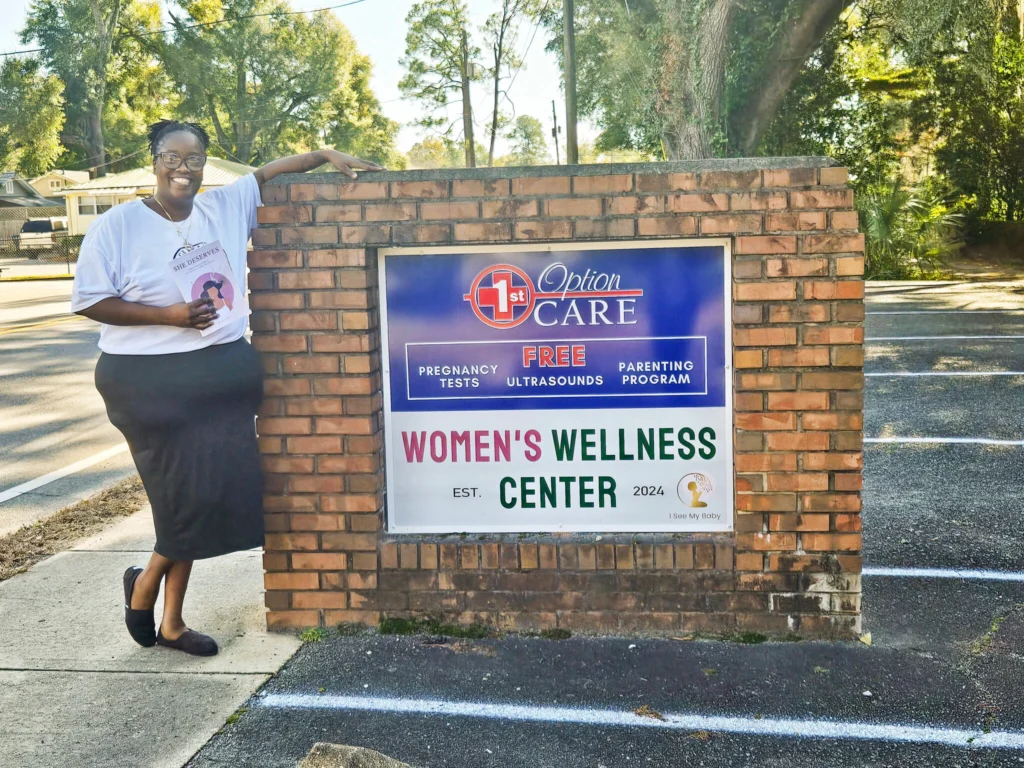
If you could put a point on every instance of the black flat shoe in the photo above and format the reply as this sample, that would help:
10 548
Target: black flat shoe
195 643
141 624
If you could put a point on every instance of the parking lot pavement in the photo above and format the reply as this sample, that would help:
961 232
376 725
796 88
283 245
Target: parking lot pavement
939 687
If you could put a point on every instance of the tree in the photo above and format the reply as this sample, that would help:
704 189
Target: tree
529 145
274 82
501 33
97 49
691 78
31 117
356 124
853 101
435 152
437 60
976 107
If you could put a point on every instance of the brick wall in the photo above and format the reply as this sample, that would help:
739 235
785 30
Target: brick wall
794 561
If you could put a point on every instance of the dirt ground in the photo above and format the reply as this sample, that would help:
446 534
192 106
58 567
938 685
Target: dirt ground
980 263
22 549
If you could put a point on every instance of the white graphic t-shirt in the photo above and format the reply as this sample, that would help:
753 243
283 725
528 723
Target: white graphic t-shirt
126 255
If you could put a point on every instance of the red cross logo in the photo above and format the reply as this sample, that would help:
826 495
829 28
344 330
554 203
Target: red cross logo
502 296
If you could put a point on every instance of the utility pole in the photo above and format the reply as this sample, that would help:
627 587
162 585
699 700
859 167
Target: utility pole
467 106
554 132
572 156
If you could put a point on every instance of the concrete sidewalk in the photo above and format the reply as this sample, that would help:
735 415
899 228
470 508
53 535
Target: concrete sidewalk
76 691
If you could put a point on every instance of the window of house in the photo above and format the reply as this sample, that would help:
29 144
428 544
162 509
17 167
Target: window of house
87 205
55 184
104 203
9 187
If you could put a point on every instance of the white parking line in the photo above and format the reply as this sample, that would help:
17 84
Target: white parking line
943 440
946 373
78 466
943 338
943 573
754 726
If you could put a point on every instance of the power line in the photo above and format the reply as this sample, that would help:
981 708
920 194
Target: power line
522 61
225 20
18 53
101 165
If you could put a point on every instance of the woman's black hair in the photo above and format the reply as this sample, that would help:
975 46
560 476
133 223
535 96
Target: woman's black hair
158 130
212 284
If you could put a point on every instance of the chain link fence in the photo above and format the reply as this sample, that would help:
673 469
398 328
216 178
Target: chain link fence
43 247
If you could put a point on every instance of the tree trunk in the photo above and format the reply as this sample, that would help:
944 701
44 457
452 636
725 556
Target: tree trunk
690 101
95 151
494 111
467 107
792 49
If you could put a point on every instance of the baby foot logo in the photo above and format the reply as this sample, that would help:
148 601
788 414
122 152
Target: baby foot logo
692 488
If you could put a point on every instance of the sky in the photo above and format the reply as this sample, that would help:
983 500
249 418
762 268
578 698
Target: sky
379 28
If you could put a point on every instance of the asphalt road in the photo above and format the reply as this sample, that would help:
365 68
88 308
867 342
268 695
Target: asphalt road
935 672
50 413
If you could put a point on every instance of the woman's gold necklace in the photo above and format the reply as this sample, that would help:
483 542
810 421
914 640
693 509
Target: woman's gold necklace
184 237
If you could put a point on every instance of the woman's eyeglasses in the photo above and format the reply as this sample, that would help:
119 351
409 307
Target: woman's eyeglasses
172 161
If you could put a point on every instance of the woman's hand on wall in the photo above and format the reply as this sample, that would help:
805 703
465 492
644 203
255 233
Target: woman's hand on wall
348 164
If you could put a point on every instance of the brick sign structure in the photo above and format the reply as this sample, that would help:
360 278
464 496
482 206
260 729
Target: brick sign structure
793 561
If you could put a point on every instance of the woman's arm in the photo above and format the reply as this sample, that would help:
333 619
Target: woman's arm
198 314
307 162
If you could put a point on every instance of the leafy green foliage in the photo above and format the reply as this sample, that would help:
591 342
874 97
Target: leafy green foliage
908 233
528 143
978 109
112 86
436 152
313 635
501 39
434 57
689 78
32 106
276 84
266 86
850 103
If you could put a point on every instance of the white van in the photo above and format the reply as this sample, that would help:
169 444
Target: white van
38 234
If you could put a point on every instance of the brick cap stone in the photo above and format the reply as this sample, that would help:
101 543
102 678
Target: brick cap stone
596 169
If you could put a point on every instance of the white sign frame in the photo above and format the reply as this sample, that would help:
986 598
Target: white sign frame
389 448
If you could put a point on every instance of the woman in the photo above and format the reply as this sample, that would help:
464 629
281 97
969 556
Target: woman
185 402
212 291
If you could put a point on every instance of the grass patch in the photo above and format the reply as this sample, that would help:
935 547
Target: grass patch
314 635
22 549
982 644
747 638
432 626
234 717
555 634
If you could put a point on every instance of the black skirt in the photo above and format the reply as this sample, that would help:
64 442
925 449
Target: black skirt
189 420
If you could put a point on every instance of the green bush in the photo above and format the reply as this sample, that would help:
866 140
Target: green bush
908 232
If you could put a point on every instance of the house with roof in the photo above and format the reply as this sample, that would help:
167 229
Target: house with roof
52 183
15 192
87 201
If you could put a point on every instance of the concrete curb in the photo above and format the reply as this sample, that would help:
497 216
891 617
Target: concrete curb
27 278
